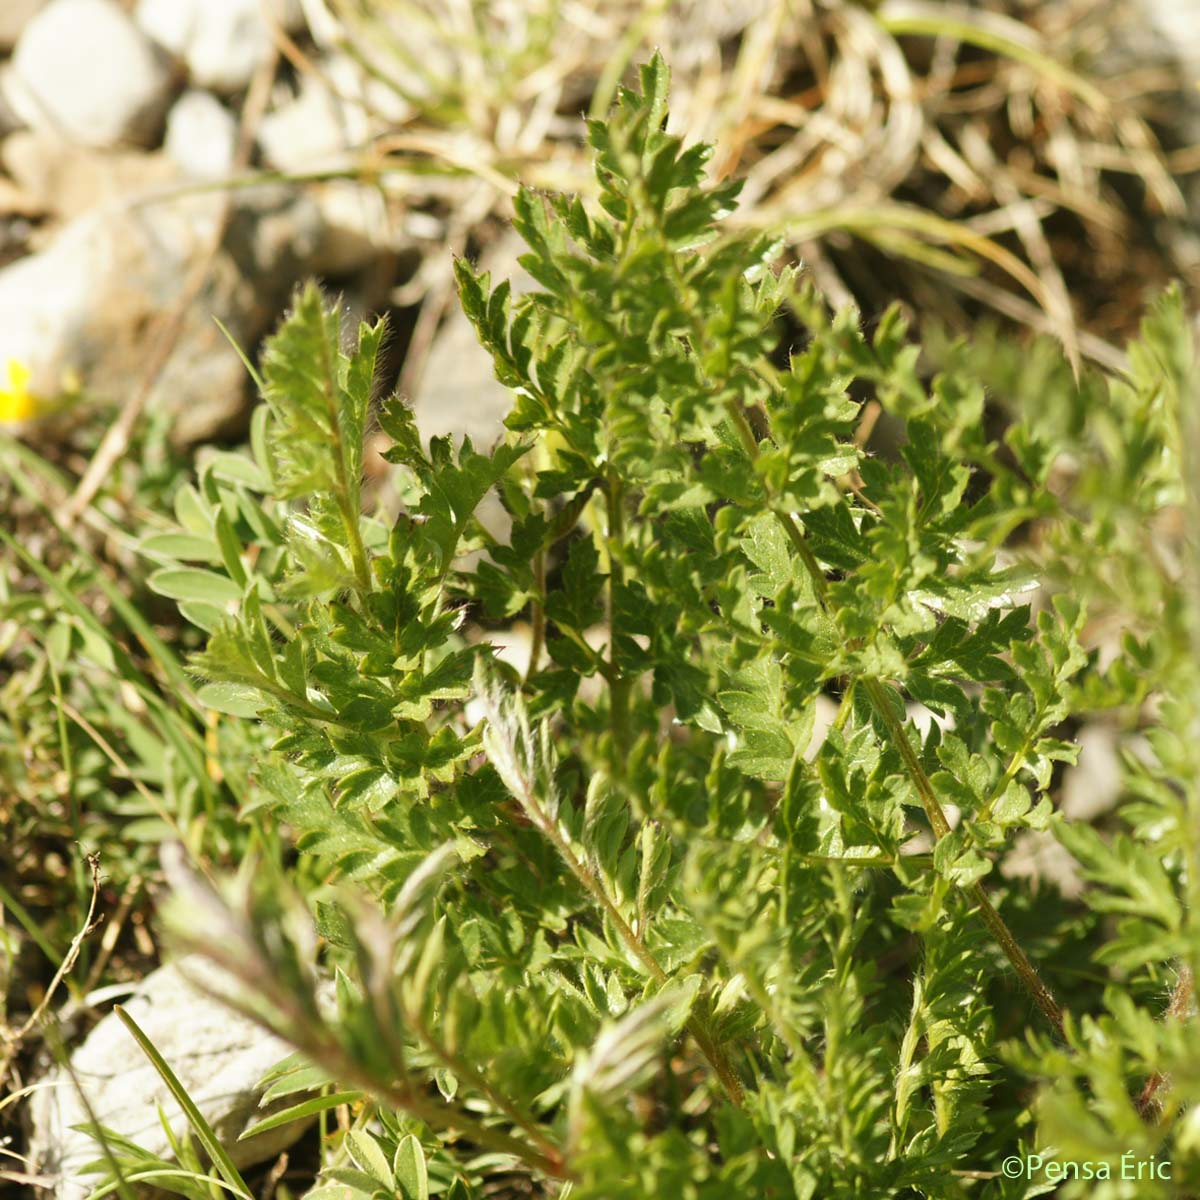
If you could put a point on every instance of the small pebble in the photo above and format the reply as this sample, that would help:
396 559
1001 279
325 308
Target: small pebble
201 135
82 68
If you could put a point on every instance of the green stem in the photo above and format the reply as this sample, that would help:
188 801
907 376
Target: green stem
538 612
592 885
471 1075
851 860
877 696
618 683
443 1118
1015 764
595 889
905 1084
292 1020
846 707
347 495
1042 996
68 771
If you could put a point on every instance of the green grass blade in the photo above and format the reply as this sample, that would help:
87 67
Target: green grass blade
10 902
959 23
307 1108
165 1173
237 349
157 649
201 1128
181 735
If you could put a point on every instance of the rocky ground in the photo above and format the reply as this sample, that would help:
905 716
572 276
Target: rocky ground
117 123
122 122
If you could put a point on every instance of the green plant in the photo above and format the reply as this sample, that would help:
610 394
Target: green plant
625 921
105 750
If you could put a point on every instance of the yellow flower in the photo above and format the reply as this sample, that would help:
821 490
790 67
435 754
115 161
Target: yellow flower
16 404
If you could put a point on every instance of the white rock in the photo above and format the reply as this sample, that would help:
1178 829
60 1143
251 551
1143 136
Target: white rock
1093 785
201 135
336 109
45 301
218 1055
14 15
223 42
356 227
1042 859
1178 24
80 308
81 67
306 133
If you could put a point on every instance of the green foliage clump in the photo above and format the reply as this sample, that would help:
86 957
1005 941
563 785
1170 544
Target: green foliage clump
702 896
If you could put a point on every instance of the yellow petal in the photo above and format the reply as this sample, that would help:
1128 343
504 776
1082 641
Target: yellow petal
16 404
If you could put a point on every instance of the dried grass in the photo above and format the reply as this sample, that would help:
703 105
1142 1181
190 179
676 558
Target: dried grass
962 157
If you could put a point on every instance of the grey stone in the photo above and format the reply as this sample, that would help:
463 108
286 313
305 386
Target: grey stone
222 42
80 309
218 1055
68 180
83 69
201 135
356 227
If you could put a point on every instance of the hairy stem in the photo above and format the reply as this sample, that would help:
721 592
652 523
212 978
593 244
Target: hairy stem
537 637
592 884
470 1074
442 1117
1178 1008
618 682
292 1021
934 812
346 493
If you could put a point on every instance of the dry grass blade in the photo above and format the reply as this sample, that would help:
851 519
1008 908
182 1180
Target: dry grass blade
993 32
823 107
877 124
14 1038
873 221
